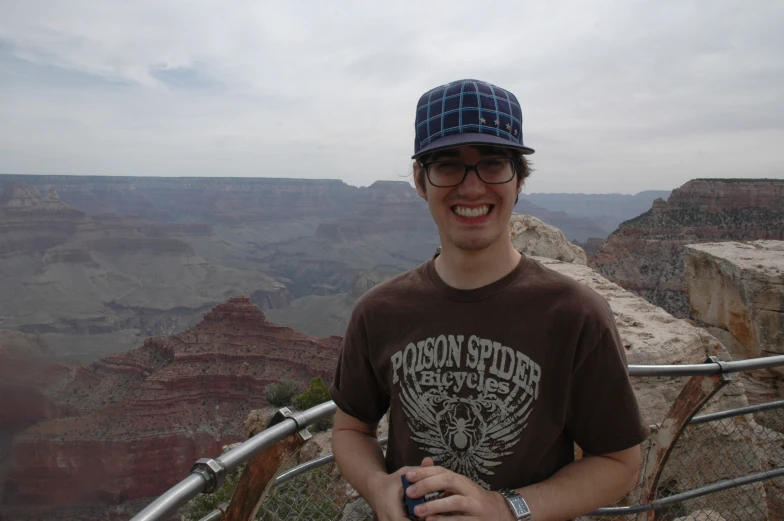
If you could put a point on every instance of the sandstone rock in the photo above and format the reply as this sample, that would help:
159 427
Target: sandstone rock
737 291
739 287
645 254
534 237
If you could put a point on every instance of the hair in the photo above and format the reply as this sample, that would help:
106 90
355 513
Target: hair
520 163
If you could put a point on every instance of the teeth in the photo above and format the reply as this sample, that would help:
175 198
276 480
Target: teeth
463 211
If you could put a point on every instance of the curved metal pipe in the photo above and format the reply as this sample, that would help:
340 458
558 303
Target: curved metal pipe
707 368
690 494
730 413
296 422
191 486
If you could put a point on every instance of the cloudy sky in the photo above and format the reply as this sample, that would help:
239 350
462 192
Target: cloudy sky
617 96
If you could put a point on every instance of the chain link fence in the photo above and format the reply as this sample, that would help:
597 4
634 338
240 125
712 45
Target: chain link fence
705 454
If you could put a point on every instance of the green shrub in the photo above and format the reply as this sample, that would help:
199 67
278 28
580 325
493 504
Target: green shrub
317 393
282 393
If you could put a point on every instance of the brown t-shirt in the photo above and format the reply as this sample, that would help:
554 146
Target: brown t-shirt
495 383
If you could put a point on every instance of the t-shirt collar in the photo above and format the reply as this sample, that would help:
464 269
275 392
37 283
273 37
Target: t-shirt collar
483 292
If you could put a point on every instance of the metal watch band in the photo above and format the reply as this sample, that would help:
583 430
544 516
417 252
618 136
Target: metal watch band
517 504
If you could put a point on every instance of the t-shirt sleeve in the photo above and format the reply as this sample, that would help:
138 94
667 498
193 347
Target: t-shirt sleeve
603 414
356 389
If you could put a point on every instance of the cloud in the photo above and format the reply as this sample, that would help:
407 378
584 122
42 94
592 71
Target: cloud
617 96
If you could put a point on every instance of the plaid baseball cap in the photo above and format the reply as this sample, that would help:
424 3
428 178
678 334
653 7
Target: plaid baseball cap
468 112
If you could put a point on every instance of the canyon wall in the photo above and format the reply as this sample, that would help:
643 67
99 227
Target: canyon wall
737 289
96 285
646 254
131 425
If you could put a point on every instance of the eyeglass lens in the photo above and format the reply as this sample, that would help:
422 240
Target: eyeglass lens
452 173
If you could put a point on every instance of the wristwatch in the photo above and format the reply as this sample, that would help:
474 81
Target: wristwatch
517 504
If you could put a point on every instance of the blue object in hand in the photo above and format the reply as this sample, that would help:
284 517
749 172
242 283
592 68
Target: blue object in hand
410 502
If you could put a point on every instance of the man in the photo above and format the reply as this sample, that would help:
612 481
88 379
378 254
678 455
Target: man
491 366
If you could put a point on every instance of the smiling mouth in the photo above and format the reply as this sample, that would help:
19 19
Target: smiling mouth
479 211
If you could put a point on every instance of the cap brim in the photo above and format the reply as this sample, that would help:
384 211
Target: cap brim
472 138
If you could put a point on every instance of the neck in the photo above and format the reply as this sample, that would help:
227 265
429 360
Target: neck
465 269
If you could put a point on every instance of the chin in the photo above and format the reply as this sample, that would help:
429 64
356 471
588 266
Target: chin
473 243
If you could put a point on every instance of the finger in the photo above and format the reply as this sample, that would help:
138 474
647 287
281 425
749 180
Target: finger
428 462
448 505
419 473
444 482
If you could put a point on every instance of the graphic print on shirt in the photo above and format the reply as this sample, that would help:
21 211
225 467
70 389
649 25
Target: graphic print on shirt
466 401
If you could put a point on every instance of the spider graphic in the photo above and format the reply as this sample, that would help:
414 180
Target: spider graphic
462 430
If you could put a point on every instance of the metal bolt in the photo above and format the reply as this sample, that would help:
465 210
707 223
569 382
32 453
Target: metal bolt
212 471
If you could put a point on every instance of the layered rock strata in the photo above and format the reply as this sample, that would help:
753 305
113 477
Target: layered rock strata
134 423
93 286
736 290
646 254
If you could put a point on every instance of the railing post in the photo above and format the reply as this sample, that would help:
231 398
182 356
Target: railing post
262 469
694 395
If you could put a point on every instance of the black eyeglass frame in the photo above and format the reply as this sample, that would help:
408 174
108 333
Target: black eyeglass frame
468 168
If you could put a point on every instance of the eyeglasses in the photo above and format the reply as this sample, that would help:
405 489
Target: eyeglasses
446 174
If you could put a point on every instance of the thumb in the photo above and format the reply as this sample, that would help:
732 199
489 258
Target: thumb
428 462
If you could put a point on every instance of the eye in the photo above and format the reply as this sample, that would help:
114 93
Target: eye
449 167
494 163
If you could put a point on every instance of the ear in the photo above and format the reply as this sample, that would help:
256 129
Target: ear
418 174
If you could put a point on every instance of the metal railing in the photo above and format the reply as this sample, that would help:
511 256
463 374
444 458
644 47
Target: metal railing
210 478
207 475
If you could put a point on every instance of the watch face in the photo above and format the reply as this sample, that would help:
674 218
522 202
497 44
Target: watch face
517 504
520 507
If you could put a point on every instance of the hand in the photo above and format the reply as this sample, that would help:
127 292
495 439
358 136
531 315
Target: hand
387 501
464 498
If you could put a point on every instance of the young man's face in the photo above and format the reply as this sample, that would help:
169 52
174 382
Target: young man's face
473 215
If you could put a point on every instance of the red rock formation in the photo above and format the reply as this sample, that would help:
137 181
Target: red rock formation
646 255
143 417
718 195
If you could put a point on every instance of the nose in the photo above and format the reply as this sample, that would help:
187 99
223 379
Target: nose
471 186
